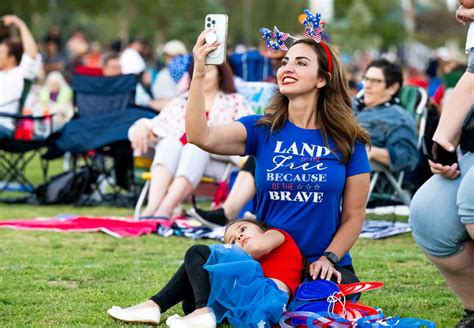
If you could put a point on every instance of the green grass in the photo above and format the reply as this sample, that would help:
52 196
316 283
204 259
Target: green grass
51 279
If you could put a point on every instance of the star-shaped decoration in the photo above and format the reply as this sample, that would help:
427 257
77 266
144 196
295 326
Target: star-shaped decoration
313 27
317 187
274 40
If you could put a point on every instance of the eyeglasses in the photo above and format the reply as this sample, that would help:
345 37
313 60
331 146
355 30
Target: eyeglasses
372 81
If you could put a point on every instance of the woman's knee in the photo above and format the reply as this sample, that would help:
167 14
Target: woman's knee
435 224
167 153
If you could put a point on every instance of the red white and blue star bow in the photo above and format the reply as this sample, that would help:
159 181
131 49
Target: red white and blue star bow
312 24
274 40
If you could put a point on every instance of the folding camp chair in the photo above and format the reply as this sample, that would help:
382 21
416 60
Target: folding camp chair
215 189
105 110
385 184
16 153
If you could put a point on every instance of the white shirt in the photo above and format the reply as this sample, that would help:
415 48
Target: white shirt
171 120
132 62
470 37
11 86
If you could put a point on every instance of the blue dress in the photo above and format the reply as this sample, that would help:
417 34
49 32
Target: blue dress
239 290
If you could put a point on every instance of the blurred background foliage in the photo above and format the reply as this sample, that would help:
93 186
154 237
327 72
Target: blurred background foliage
357 24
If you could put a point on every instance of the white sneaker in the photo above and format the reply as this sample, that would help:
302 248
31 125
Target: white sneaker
145 315
172 318
206 320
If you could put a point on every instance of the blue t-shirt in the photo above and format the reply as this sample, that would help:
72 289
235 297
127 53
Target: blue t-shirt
300 183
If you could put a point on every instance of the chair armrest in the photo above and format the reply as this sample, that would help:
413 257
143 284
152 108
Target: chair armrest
20 116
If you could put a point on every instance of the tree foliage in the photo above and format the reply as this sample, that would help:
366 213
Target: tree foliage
358 24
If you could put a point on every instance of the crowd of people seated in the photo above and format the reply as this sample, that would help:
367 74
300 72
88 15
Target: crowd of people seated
162 87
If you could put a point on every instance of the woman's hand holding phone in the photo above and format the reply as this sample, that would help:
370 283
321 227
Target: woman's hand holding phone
441 151
200 51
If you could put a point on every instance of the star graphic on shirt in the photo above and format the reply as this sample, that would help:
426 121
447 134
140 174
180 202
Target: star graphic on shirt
261 324
317 187
308 187
299 186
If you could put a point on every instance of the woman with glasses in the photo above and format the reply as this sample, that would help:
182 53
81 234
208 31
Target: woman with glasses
391 128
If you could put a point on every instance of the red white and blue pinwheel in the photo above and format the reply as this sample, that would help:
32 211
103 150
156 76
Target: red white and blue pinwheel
313 27
274 39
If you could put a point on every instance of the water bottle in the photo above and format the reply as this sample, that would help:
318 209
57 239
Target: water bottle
28 125
46 122
39 126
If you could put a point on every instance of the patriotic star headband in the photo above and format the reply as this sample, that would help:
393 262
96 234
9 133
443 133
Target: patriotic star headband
313 28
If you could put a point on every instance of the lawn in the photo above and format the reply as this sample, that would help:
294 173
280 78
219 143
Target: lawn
51 279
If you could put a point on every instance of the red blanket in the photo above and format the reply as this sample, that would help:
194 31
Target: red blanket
111 226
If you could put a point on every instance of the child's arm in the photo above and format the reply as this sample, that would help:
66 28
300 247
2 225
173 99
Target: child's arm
264 244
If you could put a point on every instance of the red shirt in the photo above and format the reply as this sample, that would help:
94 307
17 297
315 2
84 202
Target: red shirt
284 263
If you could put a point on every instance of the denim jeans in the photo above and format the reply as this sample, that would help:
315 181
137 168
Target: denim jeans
5 133
440 210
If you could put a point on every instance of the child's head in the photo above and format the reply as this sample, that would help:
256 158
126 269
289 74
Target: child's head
240 231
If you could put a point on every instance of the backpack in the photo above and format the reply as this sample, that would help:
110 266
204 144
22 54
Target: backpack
68 187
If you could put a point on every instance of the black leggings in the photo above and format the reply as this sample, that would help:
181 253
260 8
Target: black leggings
190 284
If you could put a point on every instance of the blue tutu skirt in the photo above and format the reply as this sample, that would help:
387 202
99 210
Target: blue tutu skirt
239 290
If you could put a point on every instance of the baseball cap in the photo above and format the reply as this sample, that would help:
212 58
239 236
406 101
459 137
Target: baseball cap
175 47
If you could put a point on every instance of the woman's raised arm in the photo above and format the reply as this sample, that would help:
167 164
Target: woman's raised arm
227 139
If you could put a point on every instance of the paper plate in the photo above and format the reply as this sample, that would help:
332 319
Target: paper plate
359 287
354 311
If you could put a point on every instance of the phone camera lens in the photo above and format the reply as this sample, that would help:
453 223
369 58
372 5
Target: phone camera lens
209 19
213 22
208 25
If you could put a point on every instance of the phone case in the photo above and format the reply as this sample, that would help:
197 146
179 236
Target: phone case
436 153
219 23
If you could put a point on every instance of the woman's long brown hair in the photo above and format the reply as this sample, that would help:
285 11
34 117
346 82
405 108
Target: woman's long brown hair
334 114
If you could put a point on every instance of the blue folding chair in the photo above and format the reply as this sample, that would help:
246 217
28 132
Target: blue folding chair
105 110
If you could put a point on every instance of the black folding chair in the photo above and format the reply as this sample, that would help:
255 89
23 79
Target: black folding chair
17 152
104 112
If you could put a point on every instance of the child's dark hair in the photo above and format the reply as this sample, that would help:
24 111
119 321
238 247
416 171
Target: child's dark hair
304 273
258 223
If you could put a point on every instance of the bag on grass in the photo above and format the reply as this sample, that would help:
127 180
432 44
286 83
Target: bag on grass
67 187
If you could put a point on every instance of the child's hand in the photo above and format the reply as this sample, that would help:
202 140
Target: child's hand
324 269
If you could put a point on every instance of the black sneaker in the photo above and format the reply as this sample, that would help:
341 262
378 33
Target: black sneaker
467 321
211 219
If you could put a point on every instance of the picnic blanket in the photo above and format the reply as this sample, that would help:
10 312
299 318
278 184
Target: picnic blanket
180 226
116 227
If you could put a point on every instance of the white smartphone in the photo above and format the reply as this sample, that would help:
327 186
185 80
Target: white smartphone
219 23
